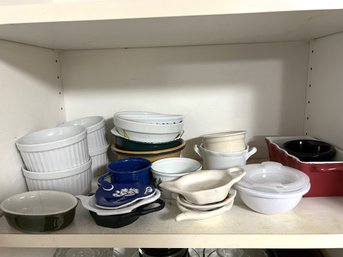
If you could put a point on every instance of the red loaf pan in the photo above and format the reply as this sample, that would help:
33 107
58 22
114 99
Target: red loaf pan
326 178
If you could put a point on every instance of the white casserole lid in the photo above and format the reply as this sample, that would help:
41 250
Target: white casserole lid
273 177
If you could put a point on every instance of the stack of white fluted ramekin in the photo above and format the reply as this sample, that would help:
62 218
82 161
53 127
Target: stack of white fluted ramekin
97 142
57 159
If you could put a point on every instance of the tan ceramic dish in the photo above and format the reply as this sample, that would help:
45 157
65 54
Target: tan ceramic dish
205 186
207 207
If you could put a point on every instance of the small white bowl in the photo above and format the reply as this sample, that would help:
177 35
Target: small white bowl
205 186
75 181
271 203
218 160
96 132
54 149
146 137
147 127
169 169
147 132
230 141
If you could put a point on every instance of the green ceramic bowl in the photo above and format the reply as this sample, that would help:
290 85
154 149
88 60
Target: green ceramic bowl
129 145
39 211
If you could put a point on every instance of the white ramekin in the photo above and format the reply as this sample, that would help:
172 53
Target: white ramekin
96 131
76 181
99 161
54 149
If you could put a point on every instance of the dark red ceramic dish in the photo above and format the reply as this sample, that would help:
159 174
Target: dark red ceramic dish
326 178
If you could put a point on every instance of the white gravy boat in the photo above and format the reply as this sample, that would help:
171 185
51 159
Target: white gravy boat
205 186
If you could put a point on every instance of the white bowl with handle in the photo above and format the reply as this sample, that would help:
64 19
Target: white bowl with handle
218 160
205 186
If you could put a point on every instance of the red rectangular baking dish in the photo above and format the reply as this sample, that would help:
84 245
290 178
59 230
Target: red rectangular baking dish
326 178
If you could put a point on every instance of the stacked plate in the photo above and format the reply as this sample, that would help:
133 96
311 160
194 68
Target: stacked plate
271 188
96 139
125 212
148 135
123 193
56 159
204 194
203 211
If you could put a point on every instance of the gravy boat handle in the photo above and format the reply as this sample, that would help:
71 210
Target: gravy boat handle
236 173
250 153
197 150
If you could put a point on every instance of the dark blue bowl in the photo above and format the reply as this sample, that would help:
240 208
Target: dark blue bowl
129 170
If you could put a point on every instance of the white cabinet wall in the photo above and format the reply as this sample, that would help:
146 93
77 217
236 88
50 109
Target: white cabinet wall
225 67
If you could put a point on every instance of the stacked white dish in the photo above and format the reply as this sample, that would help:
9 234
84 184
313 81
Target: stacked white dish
191 211
54 156
148 127
96 139
204 194
224 150
272 188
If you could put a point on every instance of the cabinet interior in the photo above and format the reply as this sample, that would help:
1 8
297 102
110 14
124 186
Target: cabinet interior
268 89
216 87
287 86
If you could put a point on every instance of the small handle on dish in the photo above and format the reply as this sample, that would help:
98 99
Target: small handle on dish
236 173
178 136
250 153
197 150
146 208
85 203
102 178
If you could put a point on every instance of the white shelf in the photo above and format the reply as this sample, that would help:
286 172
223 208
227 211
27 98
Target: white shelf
119 24
88 24
314 223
